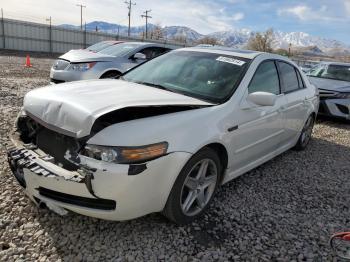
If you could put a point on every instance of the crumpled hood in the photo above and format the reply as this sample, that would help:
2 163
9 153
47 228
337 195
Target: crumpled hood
80 56
330 84
73 107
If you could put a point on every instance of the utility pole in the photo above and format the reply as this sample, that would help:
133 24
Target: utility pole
3 29
49 20
81 15
50 32
146 16
289 49
129 4
85 36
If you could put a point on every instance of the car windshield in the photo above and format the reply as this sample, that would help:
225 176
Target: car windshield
119 50
331 71
207 76
99 46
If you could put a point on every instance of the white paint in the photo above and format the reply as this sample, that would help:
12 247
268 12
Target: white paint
263 132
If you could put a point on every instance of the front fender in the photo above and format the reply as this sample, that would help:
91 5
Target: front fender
111 69
185 131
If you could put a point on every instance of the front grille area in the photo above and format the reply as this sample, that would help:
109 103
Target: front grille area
326 94
52 143
101 204
343 109
60 64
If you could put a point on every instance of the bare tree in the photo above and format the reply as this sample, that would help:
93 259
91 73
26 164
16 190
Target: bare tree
156 32
142 34
261 41
180 39
208 41
281 51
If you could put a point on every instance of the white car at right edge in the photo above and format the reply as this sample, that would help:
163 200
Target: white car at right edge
164 136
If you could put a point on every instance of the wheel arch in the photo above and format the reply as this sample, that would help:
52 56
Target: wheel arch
109 70
221 150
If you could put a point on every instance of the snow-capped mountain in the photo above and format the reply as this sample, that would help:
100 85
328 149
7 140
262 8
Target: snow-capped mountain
300 39
181 31
169 32
233 38
240 37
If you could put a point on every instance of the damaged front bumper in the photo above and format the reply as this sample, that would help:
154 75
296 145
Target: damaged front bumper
98 189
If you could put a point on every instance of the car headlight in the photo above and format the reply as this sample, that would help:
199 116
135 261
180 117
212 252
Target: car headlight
125 155
81 66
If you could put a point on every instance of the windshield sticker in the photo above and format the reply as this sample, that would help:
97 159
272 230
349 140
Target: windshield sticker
230 60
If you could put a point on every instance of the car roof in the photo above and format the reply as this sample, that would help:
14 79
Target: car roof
113 41
224 51
145 44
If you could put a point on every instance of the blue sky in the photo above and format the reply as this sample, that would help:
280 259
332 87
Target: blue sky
325 18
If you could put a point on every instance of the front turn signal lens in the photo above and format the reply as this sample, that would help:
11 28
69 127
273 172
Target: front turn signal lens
138 154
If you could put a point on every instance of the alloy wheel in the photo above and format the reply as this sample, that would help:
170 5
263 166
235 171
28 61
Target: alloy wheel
198 187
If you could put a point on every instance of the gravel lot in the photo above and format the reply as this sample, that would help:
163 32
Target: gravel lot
284 210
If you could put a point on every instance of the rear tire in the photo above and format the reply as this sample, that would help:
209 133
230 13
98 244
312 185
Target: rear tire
194 188
305 135
111 75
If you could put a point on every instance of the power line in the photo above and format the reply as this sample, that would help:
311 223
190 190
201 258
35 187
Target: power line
81 15
146 16
129 4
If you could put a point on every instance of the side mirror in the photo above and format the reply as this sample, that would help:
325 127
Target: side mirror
262 98
139 56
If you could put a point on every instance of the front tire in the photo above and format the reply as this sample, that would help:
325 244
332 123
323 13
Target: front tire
305 135
194 188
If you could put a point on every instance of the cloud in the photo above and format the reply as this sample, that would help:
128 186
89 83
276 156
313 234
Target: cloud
237 16
306 13
204 16
347 6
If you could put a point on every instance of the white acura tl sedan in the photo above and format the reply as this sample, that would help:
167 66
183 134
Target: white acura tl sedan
164 136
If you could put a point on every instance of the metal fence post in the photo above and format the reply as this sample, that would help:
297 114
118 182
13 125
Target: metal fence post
50 35
51 39
85 36
3 29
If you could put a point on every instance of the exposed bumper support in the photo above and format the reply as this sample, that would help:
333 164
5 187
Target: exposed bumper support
134 194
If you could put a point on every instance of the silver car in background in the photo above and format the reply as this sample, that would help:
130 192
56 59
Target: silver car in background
107 63
333 82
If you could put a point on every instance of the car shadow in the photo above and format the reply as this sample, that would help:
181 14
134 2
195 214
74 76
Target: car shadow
288 206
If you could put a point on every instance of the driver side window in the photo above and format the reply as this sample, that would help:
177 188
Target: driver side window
151 52
265 79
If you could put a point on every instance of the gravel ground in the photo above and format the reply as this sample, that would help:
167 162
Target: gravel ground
284 210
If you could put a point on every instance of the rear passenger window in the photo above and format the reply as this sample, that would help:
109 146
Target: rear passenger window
265 79
289 77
